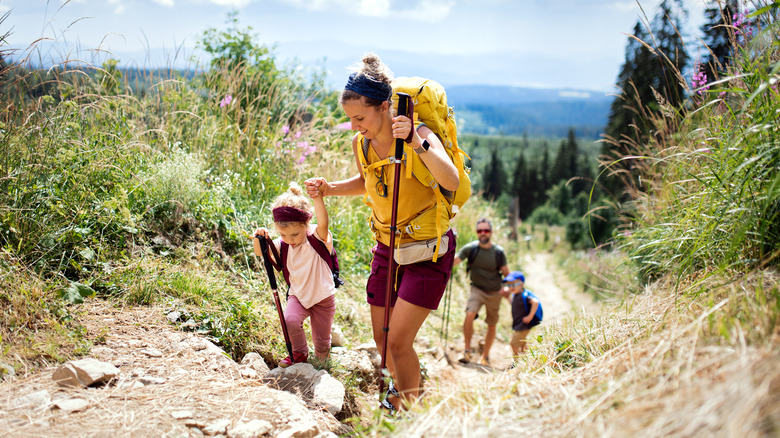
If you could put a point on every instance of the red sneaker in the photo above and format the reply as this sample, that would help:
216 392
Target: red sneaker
298 358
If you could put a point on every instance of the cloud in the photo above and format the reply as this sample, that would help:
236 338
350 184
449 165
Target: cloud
4 9
120 7
425 10
169 3
231 3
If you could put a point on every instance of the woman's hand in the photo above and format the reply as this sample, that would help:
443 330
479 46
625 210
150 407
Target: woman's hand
402 127
317 187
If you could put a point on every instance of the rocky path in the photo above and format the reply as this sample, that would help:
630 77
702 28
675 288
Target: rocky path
176 384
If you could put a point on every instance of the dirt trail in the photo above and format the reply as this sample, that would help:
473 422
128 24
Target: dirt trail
560 297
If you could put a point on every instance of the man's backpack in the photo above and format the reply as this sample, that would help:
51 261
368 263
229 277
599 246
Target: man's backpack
430 107
539 313
319 246
473 256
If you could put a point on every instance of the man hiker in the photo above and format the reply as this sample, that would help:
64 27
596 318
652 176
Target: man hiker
486 266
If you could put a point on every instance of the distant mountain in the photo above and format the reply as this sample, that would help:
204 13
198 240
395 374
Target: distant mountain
537 112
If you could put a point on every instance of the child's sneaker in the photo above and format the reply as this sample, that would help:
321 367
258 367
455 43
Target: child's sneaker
299 358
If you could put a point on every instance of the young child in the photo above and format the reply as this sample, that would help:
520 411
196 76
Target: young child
312 289
526 310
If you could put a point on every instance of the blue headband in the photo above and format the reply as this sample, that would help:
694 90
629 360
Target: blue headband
368 87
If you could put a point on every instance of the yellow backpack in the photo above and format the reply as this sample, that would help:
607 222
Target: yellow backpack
430 108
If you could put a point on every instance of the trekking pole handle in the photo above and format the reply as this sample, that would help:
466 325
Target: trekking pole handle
269 267
403 110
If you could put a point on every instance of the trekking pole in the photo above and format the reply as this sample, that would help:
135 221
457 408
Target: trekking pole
269 268
403 106
447 306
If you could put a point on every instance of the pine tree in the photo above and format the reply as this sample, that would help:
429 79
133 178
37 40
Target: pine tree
717 35
494 177
649 80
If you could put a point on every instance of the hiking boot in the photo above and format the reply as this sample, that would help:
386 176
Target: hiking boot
485 361
466 357
297 358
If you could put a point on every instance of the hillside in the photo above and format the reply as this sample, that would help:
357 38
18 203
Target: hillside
491 110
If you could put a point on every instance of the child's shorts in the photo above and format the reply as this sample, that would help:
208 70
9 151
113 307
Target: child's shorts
422 284
518 337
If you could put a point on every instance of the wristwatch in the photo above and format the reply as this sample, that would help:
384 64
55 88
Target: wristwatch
423 147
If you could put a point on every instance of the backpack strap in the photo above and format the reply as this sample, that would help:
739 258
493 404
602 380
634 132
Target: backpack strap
473 256
321 249
329 256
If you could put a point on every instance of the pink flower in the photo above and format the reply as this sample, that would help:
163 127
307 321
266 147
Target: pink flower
285 129
346 126
307 150
225 101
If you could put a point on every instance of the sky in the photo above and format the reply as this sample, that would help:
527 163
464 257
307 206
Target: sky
575 44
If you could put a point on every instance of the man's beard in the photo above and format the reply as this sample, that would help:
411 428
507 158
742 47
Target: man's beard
483 239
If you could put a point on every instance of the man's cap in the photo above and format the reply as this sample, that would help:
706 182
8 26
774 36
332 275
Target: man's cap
514 276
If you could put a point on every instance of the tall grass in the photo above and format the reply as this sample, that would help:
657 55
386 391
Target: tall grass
145 186
710 200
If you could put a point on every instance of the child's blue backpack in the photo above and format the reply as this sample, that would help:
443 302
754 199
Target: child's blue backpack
539 313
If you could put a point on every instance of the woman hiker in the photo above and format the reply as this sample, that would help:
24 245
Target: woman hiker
418 287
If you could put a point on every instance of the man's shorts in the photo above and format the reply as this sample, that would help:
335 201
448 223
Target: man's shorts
491 301
518 337
422 284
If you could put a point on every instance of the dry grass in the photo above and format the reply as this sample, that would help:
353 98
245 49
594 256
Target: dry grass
660 375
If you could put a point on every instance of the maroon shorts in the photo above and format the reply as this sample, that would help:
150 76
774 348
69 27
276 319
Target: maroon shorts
422 284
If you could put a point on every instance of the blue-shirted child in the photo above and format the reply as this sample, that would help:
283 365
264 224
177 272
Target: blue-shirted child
526 310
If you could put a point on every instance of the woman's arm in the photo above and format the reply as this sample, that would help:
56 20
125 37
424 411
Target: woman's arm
435 159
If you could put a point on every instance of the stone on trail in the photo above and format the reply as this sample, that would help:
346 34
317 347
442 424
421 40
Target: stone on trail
84 372
252 429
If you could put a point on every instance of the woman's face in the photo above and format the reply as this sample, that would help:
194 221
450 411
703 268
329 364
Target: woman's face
292 234
366 119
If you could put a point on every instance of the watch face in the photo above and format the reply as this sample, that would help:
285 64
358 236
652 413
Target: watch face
425 144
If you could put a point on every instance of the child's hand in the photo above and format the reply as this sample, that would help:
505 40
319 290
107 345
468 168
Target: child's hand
317 187
506 292
262 232
527 319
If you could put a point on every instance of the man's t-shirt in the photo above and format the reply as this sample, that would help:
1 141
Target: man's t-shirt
484 273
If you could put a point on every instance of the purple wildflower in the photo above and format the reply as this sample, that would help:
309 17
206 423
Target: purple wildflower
699 79
346 126
285 129
225 101
307 150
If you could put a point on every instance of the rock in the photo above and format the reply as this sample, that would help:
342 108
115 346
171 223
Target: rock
173 317
152 352
252 429
84 372
354 360
7 372
217 427
33 400
336 336
254 362
373 353
328 393
146 380
317 387
181 415
305 430
71 404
